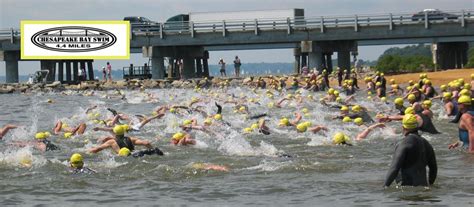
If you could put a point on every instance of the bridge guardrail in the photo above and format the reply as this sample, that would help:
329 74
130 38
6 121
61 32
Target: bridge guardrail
289 24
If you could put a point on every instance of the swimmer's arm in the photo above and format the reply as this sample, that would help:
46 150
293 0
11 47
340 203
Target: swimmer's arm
106 129
396 165
100 147
449 108
137 141
367 131
468 125
431 164
297 119
395 117
90 109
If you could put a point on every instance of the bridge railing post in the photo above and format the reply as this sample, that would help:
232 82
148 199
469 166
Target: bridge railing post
356 24
288 22
161 30
243 26
426 20
256 27
12 37
390 21
322 24
223 28
463 23
191 28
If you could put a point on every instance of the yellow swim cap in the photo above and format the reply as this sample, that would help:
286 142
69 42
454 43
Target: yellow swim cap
467 86
443 87
409 121
64 125
466 100
356 108
427 82
301 127
392 81
336 93
248 130
40 135
47 134
410 82
242 108
124 152
254 126
378 84
411 97
383 99
76 160
307 123
346 119
465 92
427 103
284 122
208 121
304 110
178 136
172 110
369 93
331 91
126 127
358 121
344 108
447 95
187 122
410 110
398 101
472 76
340 138
218 117
270 105
67 135
338 99
119 130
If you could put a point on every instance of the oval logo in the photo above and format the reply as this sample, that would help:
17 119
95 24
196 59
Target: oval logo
73 39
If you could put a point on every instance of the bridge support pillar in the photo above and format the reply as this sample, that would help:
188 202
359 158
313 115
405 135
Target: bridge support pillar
51 67
328 57
75 71
68 72
11 66
90 70
157 67
344 60
297 65
205 65
188 68
61 71
316 60
450 55
198 68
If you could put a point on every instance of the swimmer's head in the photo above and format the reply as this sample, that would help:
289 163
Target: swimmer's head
344 109
358 121
347 119
124 152
409 122
356 109
340 138
178 136
411 98
301 127
67 135
443 88
76 161
464 102
426 104
119 130
187 122
218 117
40 135
410 110
398 102
207 121
284 122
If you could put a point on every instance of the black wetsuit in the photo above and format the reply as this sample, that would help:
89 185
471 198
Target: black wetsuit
50 146
401 110
412 155
428 125
84 170
125 142
339 77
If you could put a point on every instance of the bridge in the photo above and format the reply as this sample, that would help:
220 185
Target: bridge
314 40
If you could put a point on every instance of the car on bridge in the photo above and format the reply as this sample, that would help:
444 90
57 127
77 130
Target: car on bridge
433 14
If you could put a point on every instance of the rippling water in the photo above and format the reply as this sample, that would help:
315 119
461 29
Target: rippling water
317 173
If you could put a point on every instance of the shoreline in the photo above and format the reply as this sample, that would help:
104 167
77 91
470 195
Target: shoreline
437 78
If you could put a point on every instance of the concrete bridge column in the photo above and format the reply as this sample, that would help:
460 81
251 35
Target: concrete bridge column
158 67
316 60
188 68
82 65
297 65
304 59
68 71
205 65
50 66
344 60
90 70
450 55
11 66
75 71
198 68
61 71
329 62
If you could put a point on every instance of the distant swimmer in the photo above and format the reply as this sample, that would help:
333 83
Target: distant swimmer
43 144
5 129
182 138
69 131
209 166
124 152
466 124
341 139
76 163
120 141
412 155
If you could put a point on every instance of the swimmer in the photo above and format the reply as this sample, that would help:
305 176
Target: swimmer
183 139
119 141
76 163
60 126
41 142
367 131
412 155
5 129
466 124
209 166
450 106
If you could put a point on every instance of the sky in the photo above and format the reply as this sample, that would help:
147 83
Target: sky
13 11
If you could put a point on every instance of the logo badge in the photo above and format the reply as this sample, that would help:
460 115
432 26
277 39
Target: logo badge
73 39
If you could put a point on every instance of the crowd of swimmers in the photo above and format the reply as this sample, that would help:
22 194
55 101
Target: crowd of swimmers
411 106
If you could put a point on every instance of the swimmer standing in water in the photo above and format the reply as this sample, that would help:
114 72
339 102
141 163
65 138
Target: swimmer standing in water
412 154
